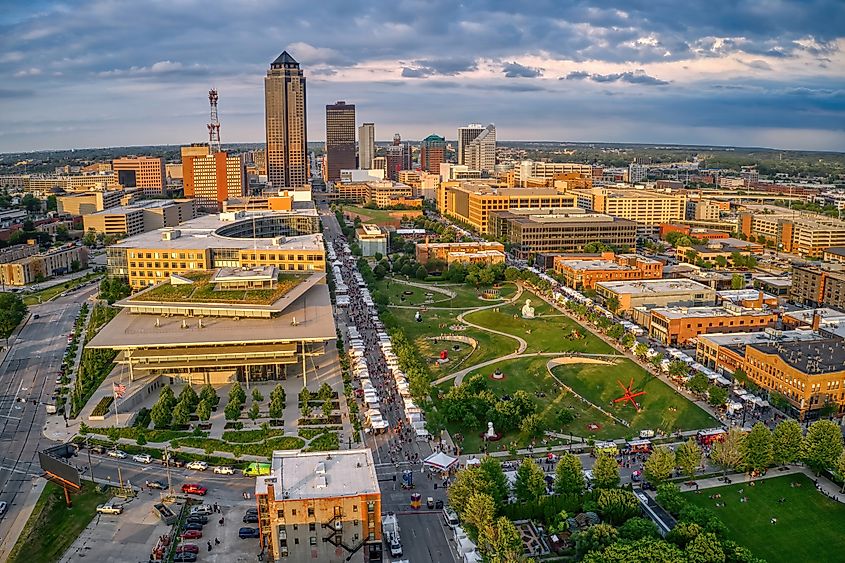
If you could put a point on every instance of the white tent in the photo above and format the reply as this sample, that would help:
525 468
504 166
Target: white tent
440 461
473 462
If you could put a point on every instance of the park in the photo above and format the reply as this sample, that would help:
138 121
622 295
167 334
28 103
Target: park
506 338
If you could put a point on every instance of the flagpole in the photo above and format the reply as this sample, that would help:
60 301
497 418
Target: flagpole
116 415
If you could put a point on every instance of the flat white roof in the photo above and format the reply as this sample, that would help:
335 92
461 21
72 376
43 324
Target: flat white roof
305 475
742 338
655 286
702 312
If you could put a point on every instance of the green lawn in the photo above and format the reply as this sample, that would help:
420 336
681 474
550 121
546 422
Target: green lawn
377 216
662 408
549 331
52 527
465 296
49 293
809 525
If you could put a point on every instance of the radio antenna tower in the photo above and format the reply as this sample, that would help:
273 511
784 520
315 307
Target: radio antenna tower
214 124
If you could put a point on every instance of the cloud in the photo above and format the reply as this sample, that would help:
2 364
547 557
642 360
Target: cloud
159 68
438 67
516 70
28 72
638 76
757 64
307 54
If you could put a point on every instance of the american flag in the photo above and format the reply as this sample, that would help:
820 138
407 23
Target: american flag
119 389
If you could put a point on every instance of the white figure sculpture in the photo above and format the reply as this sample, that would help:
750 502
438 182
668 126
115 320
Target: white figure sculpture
527 310
490 432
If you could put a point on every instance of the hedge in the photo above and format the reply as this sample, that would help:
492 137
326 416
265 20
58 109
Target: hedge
103 406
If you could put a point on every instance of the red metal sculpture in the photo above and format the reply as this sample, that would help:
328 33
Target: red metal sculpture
629 394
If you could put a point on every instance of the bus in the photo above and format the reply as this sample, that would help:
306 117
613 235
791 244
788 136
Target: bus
255 469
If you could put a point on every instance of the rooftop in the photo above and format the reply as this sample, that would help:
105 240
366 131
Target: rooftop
203 290
805 316
306 475
485 189
594 265
740 339
655 286
837 250
817 357
707 312
140 206
743 294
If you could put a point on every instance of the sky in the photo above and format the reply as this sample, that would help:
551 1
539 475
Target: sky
99 73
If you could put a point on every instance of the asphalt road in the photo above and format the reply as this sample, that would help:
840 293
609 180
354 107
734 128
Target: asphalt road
27 379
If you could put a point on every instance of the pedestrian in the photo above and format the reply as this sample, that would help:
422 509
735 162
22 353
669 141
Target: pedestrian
216 541
209 546
220 521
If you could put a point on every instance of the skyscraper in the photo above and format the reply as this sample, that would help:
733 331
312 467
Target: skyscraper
398 157
465 136
340 138
284 109
480 153
432 153
212 178
366 145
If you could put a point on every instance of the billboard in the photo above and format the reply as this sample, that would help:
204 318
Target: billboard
55 462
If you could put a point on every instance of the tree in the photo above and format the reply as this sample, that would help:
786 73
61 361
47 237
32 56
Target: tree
683 533
721 261
729 454
90 237
638 528
822 445
640 350
189 397
12 312
511 273
379 272
569 475
698 383
478 511
617 505
203 410
717 396
253 412
678 369
237 394
737 281
659 465
209 395
232 410
166 397
277 402
161 414
605 472
378 256
786 442
530 482
181 414
688 457
595 538
256 395
705 548
467 482
421 273
758 448
502 541
327 408
304 396
669 497
497 484
52 203
531 425
646 550
325 393
612 303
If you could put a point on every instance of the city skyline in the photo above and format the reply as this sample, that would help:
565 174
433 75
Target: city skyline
759 75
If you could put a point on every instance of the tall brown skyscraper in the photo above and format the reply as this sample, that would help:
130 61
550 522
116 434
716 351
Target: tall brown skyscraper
340 138
284 109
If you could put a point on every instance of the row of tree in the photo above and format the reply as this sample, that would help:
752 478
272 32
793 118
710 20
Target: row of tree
472 403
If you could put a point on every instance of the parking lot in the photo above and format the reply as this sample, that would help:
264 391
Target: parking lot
131 536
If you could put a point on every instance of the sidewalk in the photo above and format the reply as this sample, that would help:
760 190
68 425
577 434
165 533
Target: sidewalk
23 512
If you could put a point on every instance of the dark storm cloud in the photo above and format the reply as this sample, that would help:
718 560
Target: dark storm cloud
123 59
516 70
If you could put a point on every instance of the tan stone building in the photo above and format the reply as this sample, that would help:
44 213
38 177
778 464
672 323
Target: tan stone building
585 274
24 265
84 203
143 172
320 506
463 252
646 207
140 217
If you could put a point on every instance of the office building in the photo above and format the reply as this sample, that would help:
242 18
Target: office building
340 138
637 172
477 147
725 352
232 240
366 145
432 153
678 325
585 274
473 202
398 157
140 217
321 506
533 231
527 171
834 254
715 251
143 172
699 233
348 176
84 203
806 234
43 185
818 285
646 207
284 109
212 178
372 239
23 264
464 252
656 293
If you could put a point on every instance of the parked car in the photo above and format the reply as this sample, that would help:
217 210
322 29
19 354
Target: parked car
191 534
117 453
142 458
185 557
156 485
194 489
198 518
205 509
109 509
251 518
246 533
187 548
224 470
3 507
98 449
197 465
192 526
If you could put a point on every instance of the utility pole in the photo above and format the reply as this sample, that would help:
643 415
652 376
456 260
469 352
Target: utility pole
167 466
90 467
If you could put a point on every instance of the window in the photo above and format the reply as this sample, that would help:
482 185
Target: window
311 512
312 540
295 541
312 527
280 513
293 512
354 508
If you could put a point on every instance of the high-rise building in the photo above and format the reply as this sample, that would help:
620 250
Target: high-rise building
143 172
465 136
366 145
637 172
432 153
211 179
284 109
479 152
398 157
340 138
